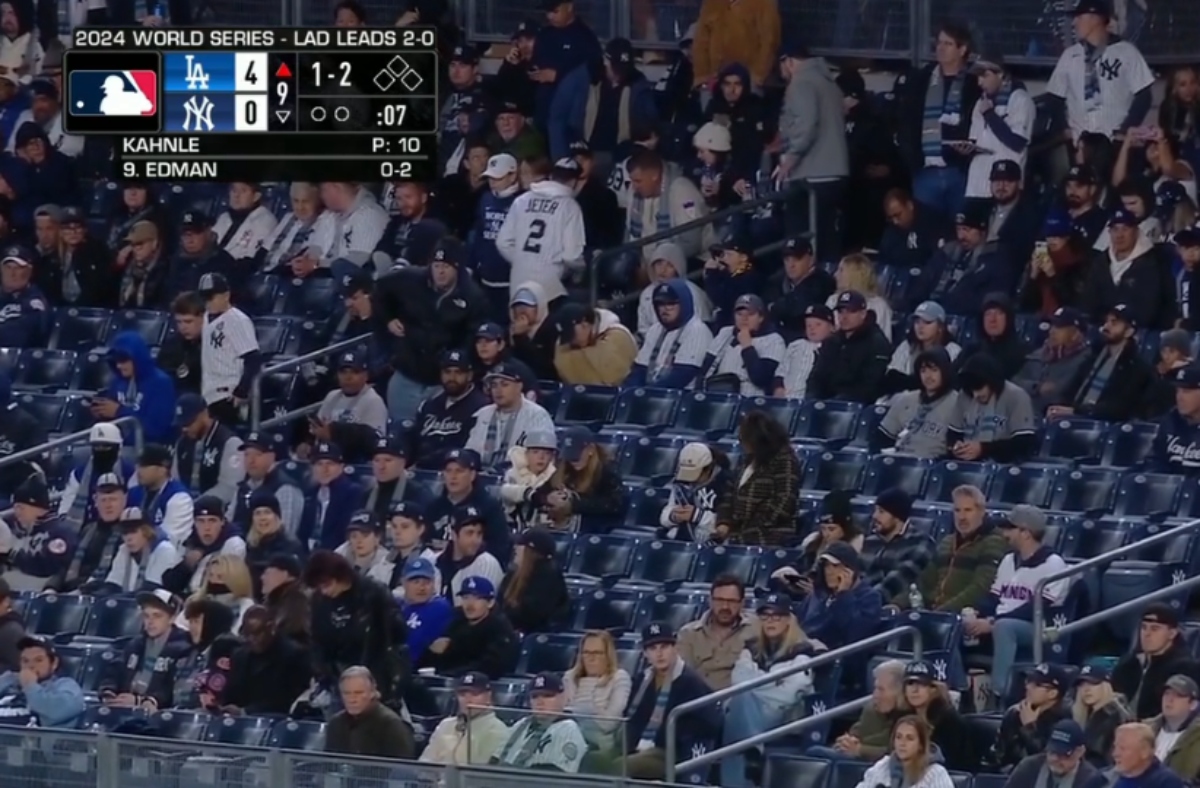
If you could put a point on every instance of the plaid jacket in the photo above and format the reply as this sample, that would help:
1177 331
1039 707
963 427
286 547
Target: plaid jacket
763 510
891 566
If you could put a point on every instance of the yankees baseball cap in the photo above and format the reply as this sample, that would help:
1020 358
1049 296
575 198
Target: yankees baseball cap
1006 170
407 510
657 632
160 598
194 221
455 359
500 166
851 300
208 506
798 247
464 53
213 283
327 451
1093 674
464 516
475 681
264 440
17 255
546 683
526 28
490 330
188 407
1068 317
1047 675
503 371
1187 377
358 281
363 521
1124 313
1065 738
467 458
919 672
566 169
1123 216
1083 174
1098 7
109 482
779 604
352 360
390 446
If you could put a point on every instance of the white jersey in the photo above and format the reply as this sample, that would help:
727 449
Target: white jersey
1016 580
1017 114
1121 73
559 745
225 339
543 236
248 237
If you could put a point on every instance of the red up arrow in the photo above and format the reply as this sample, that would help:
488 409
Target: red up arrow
283 72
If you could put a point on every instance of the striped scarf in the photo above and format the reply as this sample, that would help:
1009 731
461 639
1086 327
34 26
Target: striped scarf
662 219
942 100
1000 100
1091 73
297 243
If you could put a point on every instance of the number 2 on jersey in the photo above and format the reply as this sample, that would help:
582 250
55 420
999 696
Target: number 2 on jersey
533 241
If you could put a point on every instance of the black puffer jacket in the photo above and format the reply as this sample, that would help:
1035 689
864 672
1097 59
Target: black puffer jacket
362 626
1143 684
1008 348
1101 728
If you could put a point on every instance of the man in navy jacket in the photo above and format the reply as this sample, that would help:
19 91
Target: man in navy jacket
962 272
646 715
460 490
327 510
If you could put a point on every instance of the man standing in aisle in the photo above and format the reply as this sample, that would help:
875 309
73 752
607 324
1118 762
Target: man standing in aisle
229 354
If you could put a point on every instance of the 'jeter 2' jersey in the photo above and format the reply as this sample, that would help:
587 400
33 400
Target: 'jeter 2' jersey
542 233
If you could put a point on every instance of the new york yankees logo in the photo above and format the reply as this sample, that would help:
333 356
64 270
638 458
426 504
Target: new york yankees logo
1110 69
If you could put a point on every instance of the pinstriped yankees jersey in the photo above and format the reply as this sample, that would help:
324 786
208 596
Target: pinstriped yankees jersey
224 340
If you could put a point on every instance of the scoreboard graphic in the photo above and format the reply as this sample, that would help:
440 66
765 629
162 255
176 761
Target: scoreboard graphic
258 104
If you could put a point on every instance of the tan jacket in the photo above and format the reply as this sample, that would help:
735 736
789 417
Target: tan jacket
736 31
605 362
711 657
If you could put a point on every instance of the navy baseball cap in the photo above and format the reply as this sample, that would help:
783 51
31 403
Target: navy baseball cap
1006 170
1058 226
363 520
391 446
1123 216
474 681
451 252
208 506
265 440
919 672
851 300
419 569
1067 316
490 330
194 221
156 454
1098 7
780 604
455 359
408 510
464 516
327 451
798 247
1093 674
213 283
841 554
750 301
359 281
819 311
580 148
1188 236
1065 738
19 254
467 458
546 683
975 217
526 28
1082 174
664 294
1188 377
1046 675
479 586
503 371
352 360
187 408
574 441
1123 312
464 53
657 632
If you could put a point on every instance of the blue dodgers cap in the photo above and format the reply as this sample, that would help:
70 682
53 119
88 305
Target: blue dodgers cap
1068 317
574 441
546 683
478 586
1123 312
1065 738
187 408
419 569
408 510
1093 674
473 682
920 671
455 359
851 300
1047 675
1123 216
657 632
327 451
780 604
490 330
1187 377
467 458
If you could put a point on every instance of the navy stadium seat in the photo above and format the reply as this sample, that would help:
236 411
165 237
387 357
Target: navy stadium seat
737 560
75 414
1032 329
9 356
78 328
650 458
848 773
835 470
707 413
1085 490
180 725
314 297
885 471
789 771
586 405
651 409
548 653
273 332
830 421
151 326
58 614
47 370
602 556
613 609
278 391
1128 445
1125 581
298 735
261 294
645 505
665 561
107 718
1027 483
1142 494
1098 536
240 731
92 373
951 474
868 423
1074 439
673 609
114 617
784 411
548 395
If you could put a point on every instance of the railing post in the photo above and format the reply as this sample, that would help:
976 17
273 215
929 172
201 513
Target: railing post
256 401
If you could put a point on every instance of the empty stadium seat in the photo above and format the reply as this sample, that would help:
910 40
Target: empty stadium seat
835 470
868 423
314 297
1098 536
549 393
1027 483
707 414
789 771
47 370
1085 490
107 718
58 614
664 561
92 372
650 458
261 294
299 735
113 617
885 471
737 560
650 409
1074 439
241 731
1125 581
548 652
784 411
645 505
48 409
829 421
1128 445
9 357
602 556
278 390
1145 494
613 609
672 609
585 405
951 474
273 332
848 773
150 325
79 328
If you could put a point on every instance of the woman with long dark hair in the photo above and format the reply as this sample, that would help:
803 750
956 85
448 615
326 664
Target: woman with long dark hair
533 594
759 507
912 761
584 484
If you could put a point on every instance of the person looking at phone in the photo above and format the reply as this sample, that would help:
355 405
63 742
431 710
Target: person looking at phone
1001 123
1057 268
836 525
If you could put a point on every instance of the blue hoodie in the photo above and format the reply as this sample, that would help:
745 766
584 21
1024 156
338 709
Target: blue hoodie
55 702
154 401
843 618
680 375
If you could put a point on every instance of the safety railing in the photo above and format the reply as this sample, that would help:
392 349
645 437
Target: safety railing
256 421
826 658
1130 606
1039 601
71 439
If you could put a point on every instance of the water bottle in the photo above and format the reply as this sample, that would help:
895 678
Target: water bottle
915 600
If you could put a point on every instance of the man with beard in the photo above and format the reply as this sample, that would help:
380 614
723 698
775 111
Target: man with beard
712 644
1081 192
208 454
963 271
894 554
1113 386
76 499
82 274
444 421
736 107
1016 218
411 233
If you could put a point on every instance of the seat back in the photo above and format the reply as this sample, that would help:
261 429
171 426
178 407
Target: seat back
662 561
645 407
827 421
706 412
1074 439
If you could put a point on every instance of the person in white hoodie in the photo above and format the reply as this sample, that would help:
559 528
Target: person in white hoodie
530 467
543 236
780 648
242 229
144 556
912 762
363 547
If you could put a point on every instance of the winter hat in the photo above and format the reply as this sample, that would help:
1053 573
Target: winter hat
714 137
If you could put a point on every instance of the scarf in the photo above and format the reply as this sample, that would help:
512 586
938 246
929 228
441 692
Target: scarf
1000 100
495 444
659 714
593 107
534 732
1091 74
662 218
943 107
1052 354
298 240
133 286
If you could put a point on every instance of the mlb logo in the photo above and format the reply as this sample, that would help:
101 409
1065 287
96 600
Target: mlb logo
113 94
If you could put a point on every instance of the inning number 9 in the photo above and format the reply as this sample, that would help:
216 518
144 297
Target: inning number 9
281 90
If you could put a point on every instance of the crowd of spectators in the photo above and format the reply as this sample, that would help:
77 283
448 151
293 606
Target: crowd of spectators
387 562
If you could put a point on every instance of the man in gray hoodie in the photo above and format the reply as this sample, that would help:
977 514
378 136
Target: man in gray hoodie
812 127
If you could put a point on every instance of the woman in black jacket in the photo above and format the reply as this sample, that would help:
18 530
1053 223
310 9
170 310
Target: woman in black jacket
584 484
533 594
1099 710
200 677
930 700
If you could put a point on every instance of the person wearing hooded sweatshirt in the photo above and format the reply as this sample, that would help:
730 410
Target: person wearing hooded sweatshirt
533 594
743 357
921 422
139 389
490 350
995 415
76 499
49 173
927 331
212 535
202 674
143 559
998 335
743 112
534 334
491 269
616 102
144 675
842 607
1129 272
665 264
34 695
781 645
1050 373
594 348
675 345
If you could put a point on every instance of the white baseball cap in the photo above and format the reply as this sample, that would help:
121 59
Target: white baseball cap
105 432
693 459
500 165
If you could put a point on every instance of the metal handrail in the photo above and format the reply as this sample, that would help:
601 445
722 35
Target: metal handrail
629 246
70 440
825 658
1039 588
290 363
1053 633
849 707
290 416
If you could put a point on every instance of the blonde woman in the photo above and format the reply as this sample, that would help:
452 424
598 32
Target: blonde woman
911 762
227 581
857 272
1099 710
780 646
597 689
